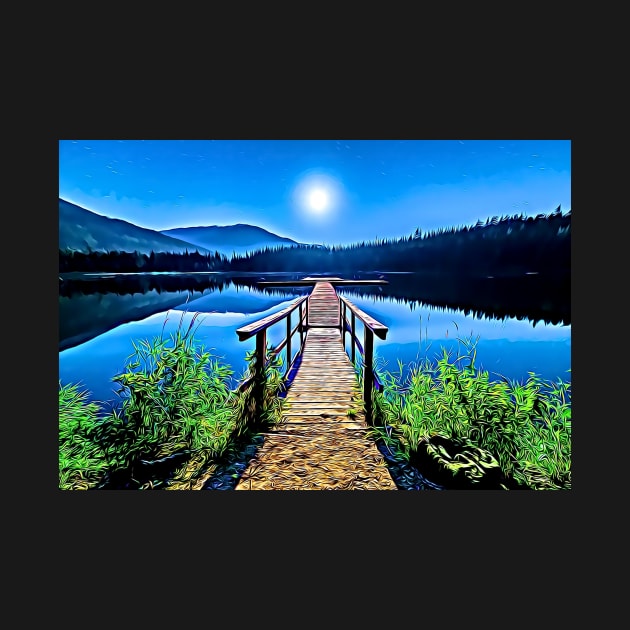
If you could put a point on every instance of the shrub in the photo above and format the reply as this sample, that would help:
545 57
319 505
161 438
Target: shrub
177 416
525 428
82 461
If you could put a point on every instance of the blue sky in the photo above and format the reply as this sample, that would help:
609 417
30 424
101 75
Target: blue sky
316 191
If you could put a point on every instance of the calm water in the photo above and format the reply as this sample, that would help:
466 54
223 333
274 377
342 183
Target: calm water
521 326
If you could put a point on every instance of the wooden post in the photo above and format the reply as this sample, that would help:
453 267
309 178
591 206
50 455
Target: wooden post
259 375
368 371
352 333
288 342
261 347
301 326
342 322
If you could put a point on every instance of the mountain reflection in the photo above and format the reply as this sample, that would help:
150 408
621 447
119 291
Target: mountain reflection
93 304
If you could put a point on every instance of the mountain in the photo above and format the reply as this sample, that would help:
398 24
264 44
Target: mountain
229 239
82 230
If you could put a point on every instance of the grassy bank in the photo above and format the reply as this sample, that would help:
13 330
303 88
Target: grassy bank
463 430
177 419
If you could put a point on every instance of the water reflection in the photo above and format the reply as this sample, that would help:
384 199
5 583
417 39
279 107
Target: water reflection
507 347
522 324
96 361
92 304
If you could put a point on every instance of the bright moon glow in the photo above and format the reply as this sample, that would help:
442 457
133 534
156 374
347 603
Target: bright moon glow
318 200
317 196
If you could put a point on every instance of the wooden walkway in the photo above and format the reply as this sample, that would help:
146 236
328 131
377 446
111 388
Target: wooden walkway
321 442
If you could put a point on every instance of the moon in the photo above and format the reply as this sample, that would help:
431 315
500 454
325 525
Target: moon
317 196
318 200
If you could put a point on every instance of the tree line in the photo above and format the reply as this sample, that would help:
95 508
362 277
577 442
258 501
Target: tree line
504 245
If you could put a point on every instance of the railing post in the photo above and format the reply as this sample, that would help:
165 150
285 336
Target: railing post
341 305
352 335
368 370
288 342
261 346
342 325
259 366
301 326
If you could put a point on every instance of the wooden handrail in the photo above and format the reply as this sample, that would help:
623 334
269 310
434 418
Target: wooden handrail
259 330
245 332
371 327
376 327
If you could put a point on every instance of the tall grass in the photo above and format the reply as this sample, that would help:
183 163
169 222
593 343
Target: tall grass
177 416
475 431
82 461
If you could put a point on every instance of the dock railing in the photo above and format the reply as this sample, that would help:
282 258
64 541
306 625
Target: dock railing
259 330
348 314
371 327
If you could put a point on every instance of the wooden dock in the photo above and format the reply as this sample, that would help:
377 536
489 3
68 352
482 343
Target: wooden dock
321 442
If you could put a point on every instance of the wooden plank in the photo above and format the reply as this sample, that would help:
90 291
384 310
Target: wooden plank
348 398
310 282
317 445
315 409
312 425
316 385
323 307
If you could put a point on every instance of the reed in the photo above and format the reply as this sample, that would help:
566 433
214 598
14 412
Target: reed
177 416
477 432
82 461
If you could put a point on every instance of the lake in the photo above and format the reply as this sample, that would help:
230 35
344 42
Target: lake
520 325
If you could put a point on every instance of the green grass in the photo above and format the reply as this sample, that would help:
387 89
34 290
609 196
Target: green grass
176 418
82 461
516 433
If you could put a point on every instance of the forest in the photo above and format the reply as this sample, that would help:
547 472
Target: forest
507 246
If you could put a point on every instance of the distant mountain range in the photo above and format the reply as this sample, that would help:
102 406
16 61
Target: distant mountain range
83 230
239 238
